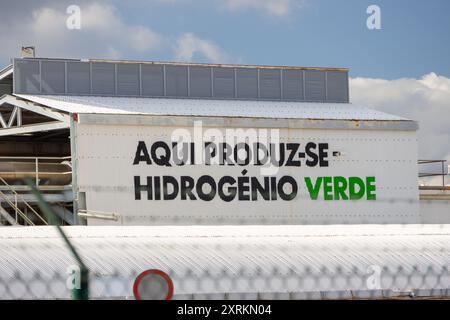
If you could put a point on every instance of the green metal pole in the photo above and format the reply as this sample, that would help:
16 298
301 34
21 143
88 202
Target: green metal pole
81 293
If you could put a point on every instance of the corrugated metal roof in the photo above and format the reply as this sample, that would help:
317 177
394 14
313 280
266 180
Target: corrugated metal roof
236 260
210 108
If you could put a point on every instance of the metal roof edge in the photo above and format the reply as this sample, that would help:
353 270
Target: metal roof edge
223 65
195 64
243 122
6 71
158 114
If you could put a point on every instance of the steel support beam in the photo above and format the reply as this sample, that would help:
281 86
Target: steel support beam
47 126
2 121
33 107
7 217
62 119
12 117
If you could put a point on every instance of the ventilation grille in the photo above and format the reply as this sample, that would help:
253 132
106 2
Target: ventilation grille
73 77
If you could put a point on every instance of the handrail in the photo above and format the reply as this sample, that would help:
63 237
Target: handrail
36 161
29 158
23 200
46 172
442 172
425 161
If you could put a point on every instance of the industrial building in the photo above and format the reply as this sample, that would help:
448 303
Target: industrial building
325 199
73 126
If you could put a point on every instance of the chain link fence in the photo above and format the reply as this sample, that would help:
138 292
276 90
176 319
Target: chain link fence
310 284
240 262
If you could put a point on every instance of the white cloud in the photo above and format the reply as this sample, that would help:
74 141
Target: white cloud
426 100
103 34
273 7
189 45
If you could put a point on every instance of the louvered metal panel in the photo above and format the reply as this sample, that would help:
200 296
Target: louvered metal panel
176 81
52 76
247 83
224 85
337 86
154 79
78 78
128 80
200 82
26 76
270 84
315 88
103 78
293 85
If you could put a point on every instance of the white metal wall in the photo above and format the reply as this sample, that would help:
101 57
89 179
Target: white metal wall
435 211
105 156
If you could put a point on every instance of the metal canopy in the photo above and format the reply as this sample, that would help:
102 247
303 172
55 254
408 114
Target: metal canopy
13 125
212 108
131 111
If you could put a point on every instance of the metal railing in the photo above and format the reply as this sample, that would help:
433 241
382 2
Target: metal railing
37 161
8 187
14 205
441 173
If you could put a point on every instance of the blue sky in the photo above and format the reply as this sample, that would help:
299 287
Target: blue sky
413 41
402 69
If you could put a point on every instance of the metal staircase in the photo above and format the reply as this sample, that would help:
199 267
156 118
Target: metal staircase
13 199
53 176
